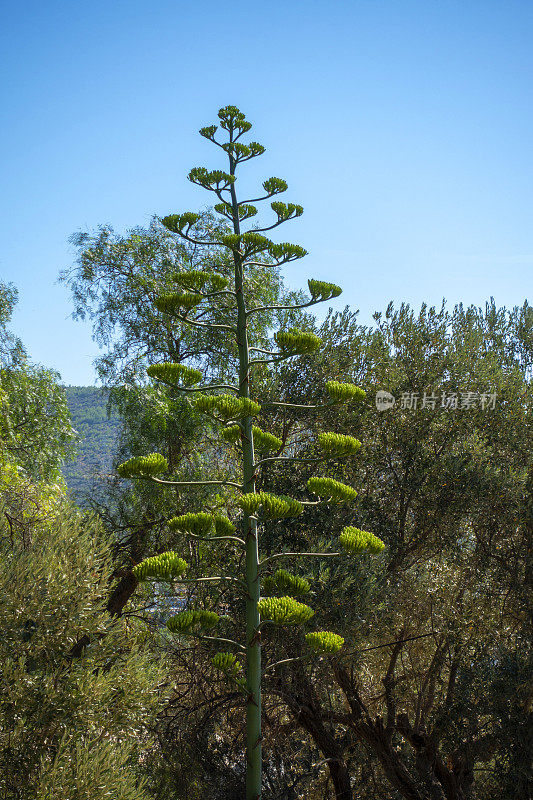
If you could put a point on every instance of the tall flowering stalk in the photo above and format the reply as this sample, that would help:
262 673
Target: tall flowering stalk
206 300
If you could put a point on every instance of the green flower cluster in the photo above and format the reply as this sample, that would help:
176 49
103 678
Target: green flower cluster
232 119
324 641
297 343
243 152
263 441
226 406
356 541
177 301
336 444
177 222
284 610
202 524
231 434
164 567
215 179
187 621
175 373
285 252
143 466
327 487
272 506
275 185
321 290
248 244
342 392
286 210
230 666
196 279
246 210
283 581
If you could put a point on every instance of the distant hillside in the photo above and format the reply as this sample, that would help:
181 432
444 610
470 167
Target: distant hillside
98 432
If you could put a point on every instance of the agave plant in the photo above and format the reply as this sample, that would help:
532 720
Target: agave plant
234 408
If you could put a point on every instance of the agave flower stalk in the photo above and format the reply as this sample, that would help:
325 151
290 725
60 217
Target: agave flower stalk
234 408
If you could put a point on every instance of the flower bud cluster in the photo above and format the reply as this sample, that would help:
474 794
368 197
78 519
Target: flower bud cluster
231 434
245 210
231 118
241 152
275 185
321 290
174 373
214 179
230 666
283 581
143 466
295 342
342 392
226 406
187 621
272 506
265 441
177 301
285 251
336 444
284 610
164 567
202 524
208 132
356 541
324 641
334 490
196 279
177 222
286 210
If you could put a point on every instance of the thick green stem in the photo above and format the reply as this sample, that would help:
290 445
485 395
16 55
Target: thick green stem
253 643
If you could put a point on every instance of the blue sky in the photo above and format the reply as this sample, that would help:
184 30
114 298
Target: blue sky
402 126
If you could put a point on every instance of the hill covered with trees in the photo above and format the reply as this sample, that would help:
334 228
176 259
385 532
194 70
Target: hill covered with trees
98 433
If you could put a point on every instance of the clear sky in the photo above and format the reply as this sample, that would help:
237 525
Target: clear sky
404 128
